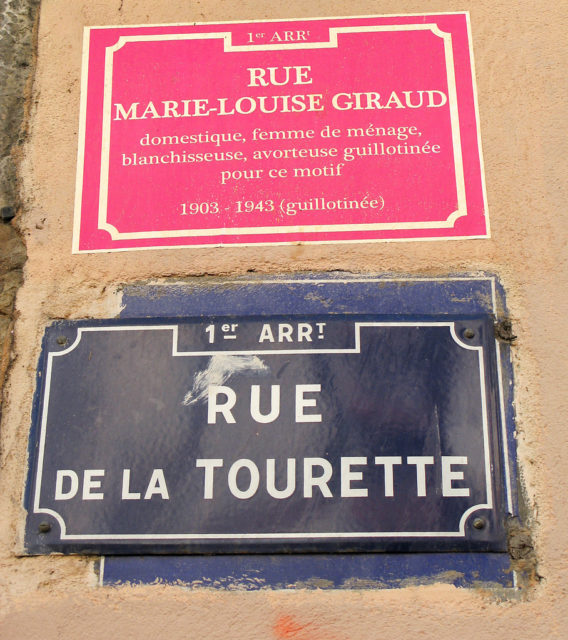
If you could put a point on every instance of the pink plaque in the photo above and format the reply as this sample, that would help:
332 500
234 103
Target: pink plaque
311 131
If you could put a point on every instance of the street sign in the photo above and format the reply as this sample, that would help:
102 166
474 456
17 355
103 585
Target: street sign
331 130
231 434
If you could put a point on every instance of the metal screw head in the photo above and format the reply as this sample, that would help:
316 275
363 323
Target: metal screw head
469 334
44 527
504 331
62 340
479 523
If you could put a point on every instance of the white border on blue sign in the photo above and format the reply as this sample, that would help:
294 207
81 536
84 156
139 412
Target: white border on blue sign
267 536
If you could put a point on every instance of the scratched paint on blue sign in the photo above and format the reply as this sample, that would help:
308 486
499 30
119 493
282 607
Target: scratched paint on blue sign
310 571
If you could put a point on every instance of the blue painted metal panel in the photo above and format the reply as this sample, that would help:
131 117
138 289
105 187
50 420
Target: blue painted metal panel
311 571
346 295
151 438
302 295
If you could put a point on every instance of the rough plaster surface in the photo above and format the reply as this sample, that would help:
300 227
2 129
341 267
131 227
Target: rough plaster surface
17 40
520 64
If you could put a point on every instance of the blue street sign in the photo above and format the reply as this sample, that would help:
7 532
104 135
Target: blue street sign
267 434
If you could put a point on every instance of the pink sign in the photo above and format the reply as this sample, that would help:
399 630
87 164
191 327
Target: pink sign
333 130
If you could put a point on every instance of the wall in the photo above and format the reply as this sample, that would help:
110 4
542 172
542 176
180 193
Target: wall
17 49
520 69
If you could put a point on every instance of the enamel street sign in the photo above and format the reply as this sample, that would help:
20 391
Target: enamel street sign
232 434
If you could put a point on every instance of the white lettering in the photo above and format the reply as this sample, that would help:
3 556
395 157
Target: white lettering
151 111
126 493
266 334
157 485
285 332
274 404
89 483
304 332
209 464
420 462
241 494
278 76
388 462
348 476
213 408
319 481
448 476
302 403
60 494
256 77
126 115
279 494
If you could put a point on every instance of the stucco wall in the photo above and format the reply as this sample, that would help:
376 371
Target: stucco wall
520 67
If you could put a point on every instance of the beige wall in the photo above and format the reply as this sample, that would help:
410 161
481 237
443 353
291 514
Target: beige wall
520 59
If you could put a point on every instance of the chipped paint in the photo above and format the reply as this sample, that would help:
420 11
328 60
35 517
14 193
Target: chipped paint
220 368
